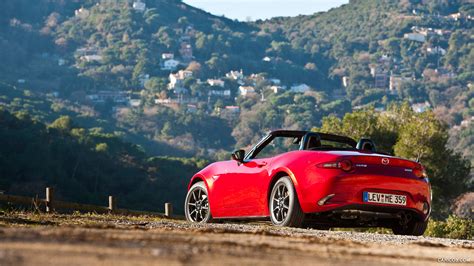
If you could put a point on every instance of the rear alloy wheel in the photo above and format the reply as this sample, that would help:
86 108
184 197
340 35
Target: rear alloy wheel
284 207
413 228
196 207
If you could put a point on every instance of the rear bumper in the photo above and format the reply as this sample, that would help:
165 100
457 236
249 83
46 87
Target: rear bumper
348 194
363 216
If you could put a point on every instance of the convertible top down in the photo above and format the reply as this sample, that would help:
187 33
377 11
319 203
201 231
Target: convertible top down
310 179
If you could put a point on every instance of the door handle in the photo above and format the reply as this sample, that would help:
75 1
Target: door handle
261 164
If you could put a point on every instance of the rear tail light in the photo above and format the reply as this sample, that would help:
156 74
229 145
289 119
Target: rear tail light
344 165
419 172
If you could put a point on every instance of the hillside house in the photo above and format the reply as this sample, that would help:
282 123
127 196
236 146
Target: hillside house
247 91
380 76
139 6
87 51
380 80
92 58
420 107
277 89
300 88
235 75
216 82
170 65
442 32
345 81
396 81
135 102
81 13
435 50
176 80
455 16
118 97
219 93
167 56
417 37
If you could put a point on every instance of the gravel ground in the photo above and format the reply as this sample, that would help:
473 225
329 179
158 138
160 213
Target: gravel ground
111 240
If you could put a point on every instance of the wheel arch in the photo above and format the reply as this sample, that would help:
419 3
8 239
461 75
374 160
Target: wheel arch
198 178
201 178
278 174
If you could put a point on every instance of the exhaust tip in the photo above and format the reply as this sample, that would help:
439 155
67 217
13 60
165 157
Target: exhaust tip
323 201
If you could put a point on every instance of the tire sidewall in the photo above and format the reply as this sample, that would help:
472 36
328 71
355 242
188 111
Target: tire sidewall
292 195
198 185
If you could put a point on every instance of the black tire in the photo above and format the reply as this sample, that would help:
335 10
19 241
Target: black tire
283 204
413 228
196 205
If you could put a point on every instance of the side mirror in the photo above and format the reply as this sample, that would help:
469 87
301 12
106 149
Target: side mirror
238 155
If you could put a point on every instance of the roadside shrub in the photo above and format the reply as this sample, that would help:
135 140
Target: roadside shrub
452 227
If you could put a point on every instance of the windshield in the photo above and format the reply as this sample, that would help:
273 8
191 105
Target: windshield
278 145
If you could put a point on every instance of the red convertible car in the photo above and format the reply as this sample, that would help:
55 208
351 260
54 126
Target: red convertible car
317 180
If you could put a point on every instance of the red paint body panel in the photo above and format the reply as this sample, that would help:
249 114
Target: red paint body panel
241 190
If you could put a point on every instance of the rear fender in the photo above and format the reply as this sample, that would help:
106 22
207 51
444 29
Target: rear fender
276 173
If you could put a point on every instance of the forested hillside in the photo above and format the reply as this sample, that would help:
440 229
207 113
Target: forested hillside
177 81
85 165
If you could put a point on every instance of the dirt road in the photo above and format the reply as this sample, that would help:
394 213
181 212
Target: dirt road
96 240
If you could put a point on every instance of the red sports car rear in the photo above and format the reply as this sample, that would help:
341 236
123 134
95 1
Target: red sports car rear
299 178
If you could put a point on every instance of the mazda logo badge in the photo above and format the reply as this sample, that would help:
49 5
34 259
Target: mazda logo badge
385 161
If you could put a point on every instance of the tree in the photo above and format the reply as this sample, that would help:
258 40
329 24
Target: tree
63 124
156 84
102 147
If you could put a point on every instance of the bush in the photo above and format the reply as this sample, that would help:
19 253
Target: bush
452 227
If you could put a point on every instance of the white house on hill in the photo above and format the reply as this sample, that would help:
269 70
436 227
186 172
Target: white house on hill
139 6
167 56
420 107
177 79
246 91
216 82
170 64
417 37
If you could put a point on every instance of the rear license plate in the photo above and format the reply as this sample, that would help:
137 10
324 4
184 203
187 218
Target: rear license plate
385 198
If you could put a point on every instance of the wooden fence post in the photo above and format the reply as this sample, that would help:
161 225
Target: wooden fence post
112 204
168 209
49 199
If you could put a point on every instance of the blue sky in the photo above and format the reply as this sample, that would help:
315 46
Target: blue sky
263 9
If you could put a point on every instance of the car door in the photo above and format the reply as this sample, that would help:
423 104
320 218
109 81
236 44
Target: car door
246 183
243 187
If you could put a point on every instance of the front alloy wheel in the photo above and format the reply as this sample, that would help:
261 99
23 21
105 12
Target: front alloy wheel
196 207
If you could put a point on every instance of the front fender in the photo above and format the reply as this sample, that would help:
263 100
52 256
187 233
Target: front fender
195 179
